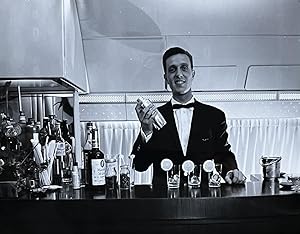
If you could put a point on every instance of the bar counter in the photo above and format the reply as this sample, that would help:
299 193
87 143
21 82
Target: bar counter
256 207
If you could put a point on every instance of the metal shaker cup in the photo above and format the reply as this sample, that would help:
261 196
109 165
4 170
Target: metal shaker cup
159 120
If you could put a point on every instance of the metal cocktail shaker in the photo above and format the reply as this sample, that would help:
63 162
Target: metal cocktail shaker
159 120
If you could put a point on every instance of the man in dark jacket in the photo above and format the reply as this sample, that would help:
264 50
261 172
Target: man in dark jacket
195 131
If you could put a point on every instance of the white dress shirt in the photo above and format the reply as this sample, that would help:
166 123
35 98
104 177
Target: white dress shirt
183 119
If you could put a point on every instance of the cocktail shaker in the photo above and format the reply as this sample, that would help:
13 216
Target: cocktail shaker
159 120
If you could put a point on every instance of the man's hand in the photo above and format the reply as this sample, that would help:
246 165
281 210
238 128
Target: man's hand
145 116
235 177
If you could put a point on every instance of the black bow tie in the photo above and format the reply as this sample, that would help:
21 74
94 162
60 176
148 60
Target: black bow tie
178 106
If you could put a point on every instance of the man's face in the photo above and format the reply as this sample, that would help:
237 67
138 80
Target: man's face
179 74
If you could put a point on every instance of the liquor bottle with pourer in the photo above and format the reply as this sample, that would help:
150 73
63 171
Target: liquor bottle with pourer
96 165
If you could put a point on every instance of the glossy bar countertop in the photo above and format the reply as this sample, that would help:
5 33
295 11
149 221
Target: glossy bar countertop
249 189
256 207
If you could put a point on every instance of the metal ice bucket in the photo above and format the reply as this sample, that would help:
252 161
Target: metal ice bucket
271 166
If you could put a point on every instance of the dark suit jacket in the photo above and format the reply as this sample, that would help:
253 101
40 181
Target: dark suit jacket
208 140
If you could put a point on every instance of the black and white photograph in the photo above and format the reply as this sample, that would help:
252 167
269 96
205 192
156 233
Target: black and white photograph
149 116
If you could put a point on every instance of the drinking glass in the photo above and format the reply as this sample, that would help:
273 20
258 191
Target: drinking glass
194 177
173 193
215 192
194 192
173 177
214 179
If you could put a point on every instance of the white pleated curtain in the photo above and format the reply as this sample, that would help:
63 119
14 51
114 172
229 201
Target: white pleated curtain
249 138
252 138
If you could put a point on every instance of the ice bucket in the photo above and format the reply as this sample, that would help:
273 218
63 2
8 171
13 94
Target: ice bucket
271 166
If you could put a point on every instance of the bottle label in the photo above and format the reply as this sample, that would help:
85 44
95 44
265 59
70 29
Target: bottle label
111 169
98 171
75 180
60 149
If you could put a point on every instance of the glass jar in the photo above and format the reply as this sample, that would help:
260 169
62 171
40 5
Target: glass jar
111 174
124 177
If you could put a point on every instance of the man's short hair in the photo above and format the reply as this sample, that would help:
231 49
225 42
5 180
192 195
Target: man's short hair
175 50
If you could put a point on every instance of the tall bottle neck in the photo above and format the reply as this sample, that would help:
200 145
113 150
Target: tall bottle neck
65 131
88 142
89 133
95 139
47 126
58 133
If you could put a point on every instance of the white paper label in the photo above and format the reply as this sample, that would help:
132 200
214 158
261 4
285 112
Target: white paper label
98 171
60 149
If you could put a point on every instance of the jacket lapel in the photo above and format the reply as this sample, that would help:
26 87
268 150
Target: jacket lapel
171 128
197 126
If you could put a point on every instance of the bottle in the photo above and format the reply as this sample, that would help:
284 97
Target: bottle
63 155
22 137
96 165
52 125
124 177
111 174
159 120
34 141
22 118
60 142
28 133
45 131
75 176
35 133
65 131
57 171
88 143
70 144
87 148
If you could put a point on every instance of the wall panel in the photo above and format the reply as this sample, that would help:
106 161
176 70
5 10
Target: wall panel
123 18
124 65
